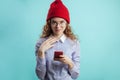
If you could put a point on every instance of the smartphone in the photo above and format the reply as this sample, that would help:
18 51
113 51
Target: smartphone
57 54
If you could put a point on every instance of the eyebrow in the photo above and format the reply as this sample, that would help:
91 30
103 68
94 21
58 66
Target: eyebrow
53 21
59 21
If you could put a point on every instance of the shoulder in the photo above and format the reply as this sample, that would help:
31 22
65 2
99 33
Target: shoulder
73 42
38 44
40 41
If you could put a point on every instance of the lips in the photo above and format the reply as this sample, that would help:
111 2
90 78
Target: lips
57 30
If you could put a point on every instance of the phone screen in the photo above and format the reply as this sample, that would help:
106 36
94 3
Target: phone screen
57 54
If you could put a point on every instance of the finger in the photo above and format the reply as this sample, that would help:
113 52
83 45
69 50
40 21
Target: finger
57 59
61 59
62 56
51 39
47 41
49 46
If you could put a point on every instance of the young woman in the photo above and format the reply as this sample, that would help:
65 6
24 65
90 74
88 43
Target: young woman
57 36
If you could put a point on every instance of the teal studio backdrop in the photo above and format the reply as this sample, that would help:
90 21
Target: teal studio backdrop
96 23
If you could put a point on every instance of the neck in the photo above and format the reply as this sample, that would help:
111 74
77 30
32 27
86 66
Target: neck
58 36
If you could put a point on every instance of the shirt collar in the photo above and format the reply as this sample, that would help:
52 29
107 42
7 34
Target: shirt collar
62 38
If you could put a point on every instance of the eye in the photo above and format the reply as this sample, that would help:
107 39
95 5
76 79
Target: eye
53 22
62 22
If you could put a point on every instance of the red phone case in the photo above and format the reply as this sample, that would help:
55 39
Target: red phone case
57 54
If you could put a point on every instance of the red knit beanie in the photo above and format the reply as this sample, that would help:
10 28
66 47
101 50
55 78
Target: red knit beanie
58 9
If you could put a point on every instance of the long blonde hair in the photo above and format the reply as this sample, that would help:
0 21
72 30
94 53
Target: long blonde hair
47 31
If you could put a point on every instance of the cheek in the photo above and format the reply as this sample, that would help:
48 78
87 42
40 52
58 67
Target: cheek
52 28
64 28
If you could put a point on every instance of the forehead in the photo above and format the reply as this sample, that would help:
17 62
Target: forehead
57 19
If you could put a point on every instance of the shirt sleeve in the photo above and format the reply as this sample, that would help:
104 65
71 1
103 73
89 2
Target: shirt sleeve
41 63
75 71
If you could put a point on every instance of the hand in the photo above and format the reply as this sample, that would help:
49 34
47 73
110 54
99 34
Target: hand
66 60
46 45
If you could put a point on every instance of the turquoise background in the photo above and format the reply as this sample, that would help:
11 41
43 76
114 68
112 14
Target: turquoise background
96 22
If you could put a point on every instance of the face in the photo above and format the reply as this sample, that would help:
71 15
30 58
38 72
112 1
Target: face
58 25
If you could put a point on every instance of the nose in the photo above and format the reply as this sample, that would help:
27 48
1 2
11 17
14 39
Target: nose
58 25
